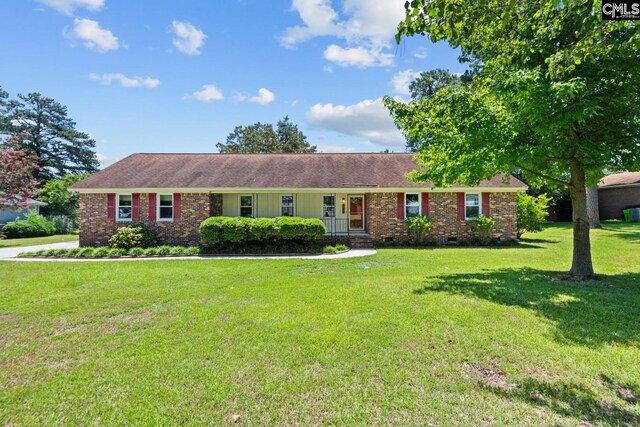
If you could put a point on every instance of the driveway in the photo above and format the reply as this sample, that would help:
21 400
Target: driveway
8 253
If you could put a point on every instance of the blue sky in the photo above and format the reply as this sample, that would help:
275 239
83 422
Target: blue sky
178 76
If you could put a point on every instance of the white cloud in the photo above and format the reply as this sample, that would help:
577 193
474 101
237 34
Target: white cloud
402 79
357 57
368 119
188 39
207 94
264 97
319 19
125 81
367 28
68 6
93 35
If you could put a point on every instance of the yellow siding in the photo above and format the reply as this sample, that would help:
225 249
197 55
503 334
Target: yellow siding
307 205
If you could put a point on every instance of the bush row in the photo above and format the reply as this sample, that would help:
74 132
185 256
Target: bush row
107 252
223 230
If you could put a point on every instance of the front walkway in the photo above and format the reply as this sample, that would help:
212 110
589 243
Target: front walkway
9 254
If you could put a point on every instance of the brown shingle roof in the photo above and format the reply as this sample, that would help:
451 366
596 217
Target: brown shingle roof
624 178
210 171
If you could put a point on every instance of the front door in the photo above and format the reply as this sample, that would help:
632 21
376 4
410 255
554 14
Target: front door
356 212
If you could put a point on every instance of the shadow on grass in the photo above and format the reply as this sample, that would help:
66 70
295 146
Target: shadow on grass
587 313
629 232
571 400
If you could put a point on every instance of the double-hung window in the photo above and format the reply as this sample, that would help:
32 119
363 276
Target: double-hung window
286 205
412 205
472 205
246 206
165 207
328 206
125 207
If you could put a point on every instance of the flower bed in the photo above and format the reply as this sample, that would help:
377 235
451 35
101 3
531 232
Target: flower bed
174 251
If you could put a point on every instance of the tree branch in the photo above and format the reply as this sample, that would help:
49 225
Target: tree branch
541 175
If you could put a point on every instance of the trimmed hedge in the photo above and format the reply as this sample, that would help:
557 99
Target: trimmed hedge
224 230
33 225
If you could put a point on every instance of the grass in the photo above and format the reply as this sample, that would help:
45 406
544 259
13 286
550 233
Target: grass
448 336
33 241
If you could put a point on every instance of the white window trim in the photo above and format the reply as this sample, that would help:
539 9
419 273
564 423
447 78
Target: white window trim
118 219
322 206
253 202
293 205
158 219
419 204
466 218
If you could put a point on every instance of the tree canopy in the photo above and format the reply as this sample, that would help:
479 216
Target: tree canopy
49 134
554 90
262 138
60 200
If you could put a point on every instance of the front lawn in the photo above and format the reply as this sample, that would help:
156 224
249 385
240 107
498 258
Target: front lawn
33 241
448 336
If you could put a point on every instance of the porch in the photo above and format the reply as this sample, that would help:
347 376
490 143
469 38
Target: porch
343 214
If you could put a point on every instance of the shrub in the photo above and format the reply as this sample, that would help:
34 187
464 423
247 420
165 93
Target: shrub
531 212
73 252
163 250
192 250
236 229
341 247
101 252
63 224
329 250
481 229
150 252
116 252
132 236
419 228
86 252
301 229
27 254
263 230
60 253
241 230
33 225
136 252
177 250
211 230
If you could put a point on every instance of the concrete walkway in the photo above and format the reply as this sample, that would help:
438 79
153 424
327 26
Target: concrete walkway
9 254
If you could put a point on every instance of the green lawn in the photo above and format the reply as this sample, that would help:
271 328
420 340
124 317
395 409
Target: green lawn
448 336
32 241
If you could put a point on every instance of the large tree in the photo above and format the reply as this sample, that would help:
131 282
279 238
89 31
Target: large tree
555 90
262 138
60 200
49 134
16 174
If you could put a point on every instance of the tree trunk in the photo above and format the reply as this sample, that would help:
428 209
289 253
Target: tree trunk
593 208
582 266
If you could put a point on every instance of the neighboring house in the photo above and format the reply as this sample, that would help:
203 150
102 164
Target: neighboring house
11 213
617 192
360 197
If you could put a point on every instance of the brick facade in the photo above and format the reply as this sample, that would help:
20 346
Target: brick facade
612 201
96 228
381 219
383 223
